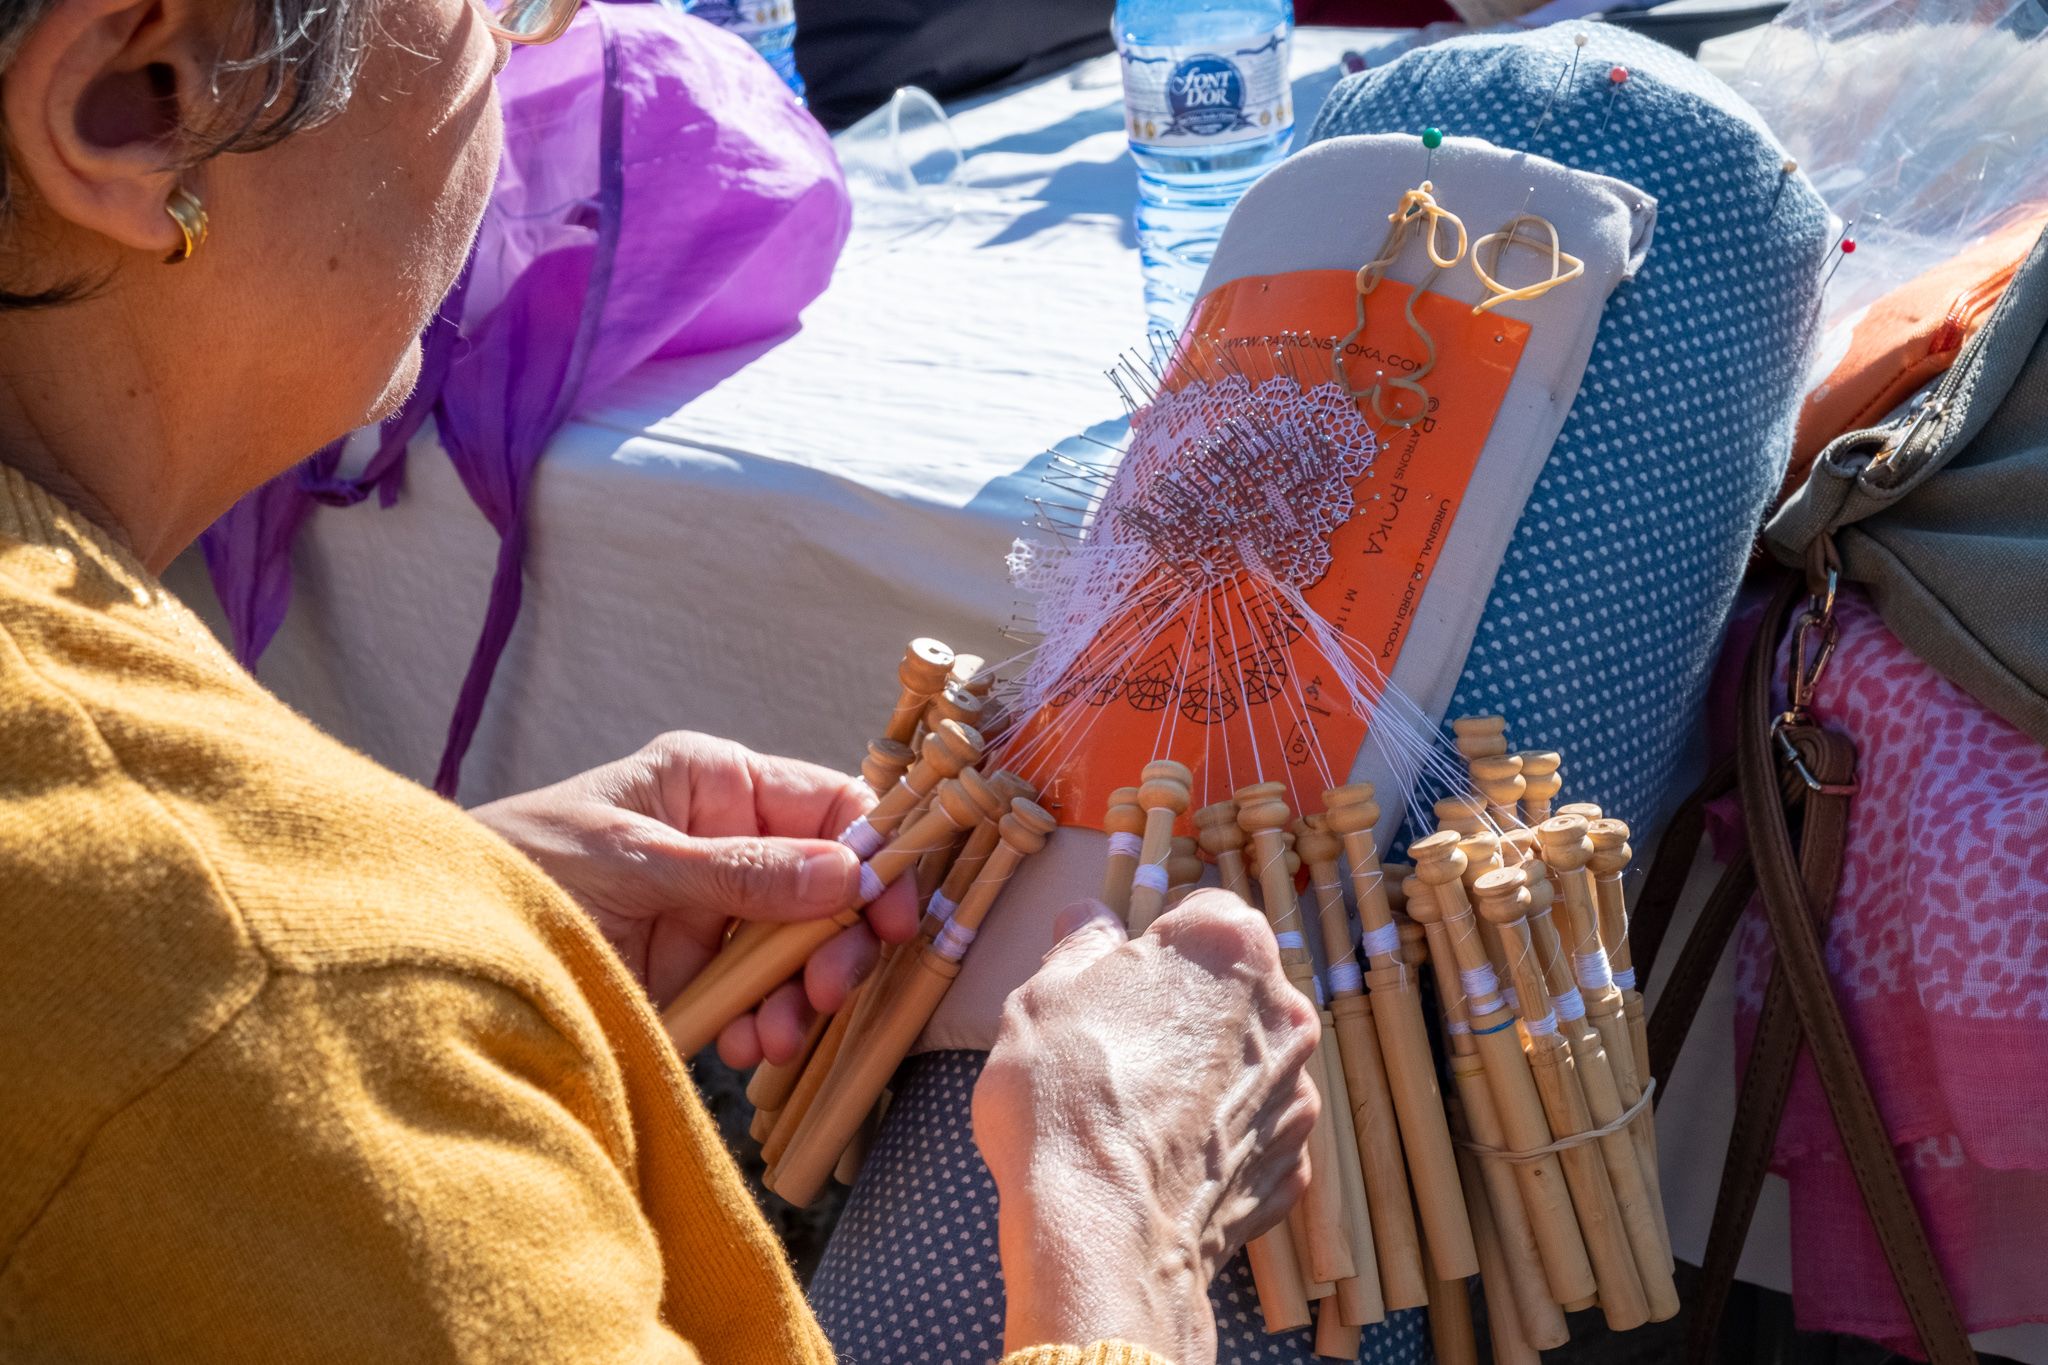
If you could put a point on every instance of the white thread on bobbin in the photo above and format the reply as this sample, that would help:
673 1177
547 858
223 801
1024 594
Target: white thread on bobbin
1594 973
1288 938
861 837
1479 982
1345 977
1512 996
1569 1004
1384 941
1126 845
952 940
1151 876
871 884
1625 978
941 906
1457 1026
1541 1027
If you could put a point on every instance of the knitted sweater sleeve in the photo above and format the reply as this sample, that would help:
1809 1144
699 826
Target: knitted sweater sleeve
392 1164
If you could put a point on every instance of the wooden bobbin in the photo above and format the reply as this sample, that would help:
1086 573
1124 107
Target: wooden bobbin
1525 1294
922 674
1461 814
1611 855
768 1089
1499 779
1502 897
1126 817
886 762
1567 850
933 866
1482 852
1163 795
1403 1036
860 1076
1585 810
1263 815
1540 782
1480 736
1217 831
1503 1314
1183 870
1440 865
1277 1276
946 750
971 672
699 1015
1376 1133
955 703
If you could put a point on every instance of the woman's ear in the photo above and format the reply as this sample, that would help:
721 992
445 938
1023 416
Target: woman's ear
95 103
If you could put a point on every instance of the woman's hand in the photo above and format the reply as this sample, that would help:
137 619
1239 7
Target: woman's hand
665 847
1144 1113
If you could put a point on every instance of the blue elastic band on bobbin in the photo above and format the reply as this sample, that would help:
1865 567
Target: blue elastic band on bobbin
1508 1022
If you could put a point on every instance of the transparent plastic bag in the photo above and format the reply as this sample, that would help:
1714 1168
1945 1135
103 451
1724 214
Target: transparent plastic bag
1923 123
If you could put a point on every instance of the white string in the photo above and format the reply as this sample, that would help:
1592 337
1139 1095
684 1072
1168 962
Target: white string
952 940
1288 939
1625 978
941 906
1594 974
1346 977
1151 876
860 836
1543 1027
871 884
1126 845
1569 1004
1384 941
1479 982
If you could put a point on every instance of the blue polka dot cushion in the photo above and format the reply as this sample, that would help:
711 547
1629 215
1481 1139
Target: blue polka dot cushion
911 1273
1608 608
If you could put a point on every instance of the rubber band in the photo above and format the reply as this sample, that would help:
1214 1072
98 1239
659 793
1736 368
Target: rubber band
1384 941
1569 1004
1346 978
862 838
1523 1157
952 940
1506 1023
1151 876
1594 974
1625 977
871 884
1124 845
941 906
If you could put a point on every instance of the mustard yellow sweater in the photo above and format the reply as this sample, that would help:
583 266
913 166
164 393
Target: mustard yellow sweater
298 1062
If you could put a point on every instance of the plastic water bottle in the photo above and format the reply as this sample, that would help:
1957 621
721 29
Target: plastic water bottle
769 25
1209 110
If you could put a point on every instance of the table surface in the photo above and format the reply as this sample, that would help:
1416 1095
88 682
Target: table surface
741 542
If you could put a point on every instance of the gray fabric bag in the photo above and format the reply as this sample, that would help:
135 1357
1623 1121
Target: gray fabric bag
1942 514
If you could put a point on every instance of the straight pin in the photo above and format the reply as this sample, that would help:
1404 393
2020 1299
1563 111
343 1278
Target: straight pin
1564 79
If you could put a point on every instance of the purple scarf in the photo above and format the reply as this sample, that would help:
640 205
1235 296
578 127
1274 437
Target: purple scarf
643 148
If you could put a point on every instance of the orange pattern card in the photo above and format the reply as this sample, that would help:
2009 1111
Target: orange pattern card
1230 671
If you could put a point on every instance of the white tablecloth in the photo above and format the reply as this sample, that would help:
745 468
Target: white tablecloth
741 543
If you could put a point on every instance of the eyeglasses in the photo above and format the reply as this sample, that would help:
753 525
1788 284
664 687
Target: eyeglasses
529 21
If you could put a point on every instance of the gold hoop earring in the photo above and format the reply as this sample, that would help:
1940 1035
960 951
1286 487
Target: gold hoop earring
190 216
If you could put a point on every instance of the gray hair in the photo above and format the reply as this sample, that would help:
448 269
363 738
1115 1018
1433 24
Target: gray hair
292 64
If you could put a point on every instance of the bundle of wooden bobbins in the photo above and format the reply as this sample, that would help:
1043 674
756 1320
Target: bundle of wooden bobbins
959 834
1539 1174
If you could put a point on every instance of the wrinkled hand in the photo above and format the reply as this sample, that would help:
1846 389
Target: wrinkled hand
667 846
1144 1113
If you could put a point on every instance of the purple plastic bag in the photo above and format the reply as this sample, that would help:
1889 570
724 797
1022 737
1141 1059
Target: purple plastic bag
661 194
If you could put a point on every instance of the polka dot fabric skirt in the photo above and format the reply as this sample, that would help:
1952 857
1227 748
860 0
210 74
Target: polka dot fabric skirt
911 1275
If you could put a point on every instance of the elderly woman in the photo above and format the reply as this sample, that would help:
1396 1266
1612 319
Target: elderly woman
300 1062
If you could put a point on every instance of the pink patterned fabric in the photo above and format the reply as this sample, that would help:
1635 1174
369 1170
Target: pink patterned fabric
1939 953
